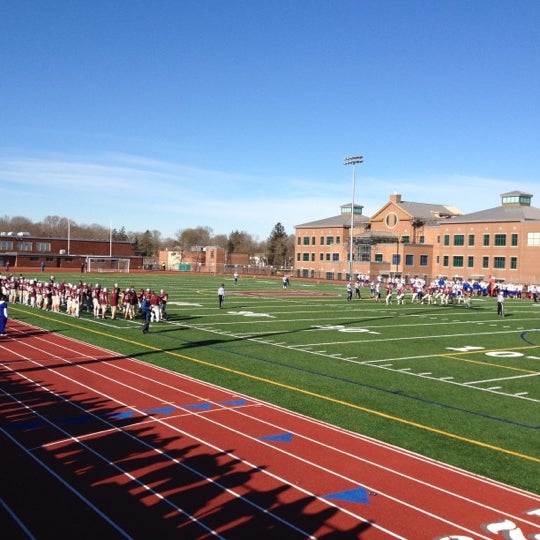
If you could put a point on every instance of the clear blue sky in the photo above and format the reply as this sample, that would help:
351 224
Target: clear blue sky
237 114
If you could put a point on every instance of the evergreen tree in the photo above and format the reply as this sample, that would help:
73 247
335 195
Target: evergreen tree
277 246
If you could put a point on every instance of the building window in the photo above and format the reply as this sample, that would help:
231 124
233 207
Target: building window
305 257
500 240
312 240
409 260
6 245
313 257
405 239
298 255
499 262
322 240
396 259
321 256
364 252
338 239
457 261
513 263
485 262
422 239
514 240
335 257
445 260
423 260
378 257
471 239
533 239
24 246
446 240
459 239
329 240
486 240
470 261
43 247
306 241
299 241
391 220
328 256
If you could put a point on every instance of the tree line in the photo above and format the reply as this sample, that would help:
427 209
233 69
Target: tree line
277 250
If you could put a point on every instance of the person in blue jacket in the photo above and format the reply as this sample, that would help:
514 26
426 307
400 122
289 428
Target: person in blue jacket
146 311
3 315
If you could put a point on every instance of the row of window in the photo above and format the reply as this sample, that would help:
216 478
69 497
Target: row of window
458 261
499 240
334 257
24 245
323 241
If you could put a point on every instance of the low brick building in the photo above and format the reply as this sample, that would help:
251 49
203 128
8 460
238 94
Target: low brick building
23 250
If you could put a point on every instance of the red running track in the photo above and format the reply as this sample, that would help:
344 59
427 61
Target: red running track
97 445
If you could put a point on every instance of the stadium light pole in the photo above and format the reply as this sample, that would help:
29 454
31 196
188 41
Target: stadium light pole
352 160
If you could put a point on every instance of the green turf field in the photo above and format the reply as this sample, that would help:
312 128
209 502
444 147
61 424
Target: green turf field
459 385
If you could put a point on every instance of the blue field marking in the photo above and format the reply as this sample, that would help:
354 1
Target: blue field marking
524 333
26 424
119 416
233 403
357 495
159 410
280 437
200 406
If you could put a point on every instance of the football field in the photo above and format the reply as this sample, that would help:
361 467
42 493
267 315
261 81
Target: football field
455 384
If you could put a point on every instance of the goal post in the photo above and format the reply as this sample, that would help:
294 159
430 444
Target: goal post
107 264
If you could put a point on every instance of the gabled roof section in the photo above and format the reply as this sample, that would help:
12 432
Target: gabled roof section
501 213
429 211
418 211
342 220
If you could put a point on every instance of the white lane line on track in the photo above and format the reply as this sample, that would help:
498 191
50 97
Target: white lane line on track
193 395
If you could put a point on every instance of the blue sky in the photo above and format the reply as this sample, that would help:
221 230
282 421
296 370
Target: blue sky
235 115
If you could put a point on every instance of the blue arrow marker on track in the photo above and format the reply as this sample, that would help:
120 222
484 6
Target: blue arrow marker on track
202 406
357 495
280 437
159 410
233 403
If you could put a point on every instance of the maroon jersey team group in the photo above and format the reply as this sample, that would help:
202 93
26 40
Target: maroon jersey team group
53 295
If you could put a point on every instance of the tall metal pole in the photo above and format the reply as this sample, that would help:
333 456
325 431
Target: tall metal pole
352 160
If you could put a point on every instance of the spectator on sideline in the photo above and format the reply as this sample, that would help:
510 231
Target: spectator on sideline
3 315
357 286
221 295
146 311
114 299
349 291
500 303
163 297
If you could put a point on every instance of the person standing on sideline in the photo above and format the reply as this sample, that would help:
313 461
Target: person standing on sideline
3 315
500 303
235 276
146 311
349 291
357 286
221 295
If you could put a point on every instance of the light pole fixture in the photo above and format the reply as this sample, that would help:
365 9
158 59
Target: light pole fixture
352 160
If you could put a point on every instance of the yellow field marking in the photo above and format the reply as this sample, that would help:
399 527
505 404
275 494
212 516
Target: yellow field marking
305 392
490 364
